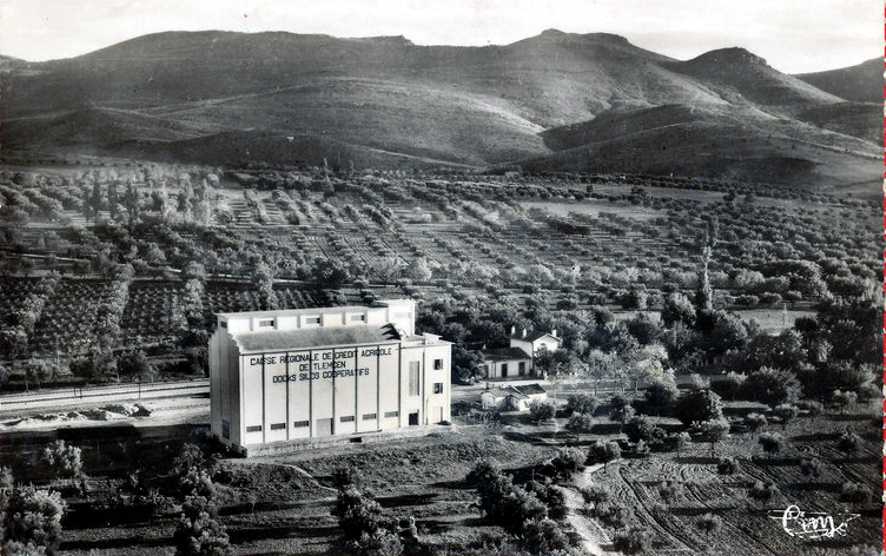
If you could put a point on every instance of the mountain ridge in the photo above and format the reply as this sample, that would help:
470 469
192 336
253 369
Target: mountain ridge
477 106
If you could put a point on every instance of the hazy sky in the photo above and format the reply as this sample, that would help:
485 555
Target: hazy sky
793 35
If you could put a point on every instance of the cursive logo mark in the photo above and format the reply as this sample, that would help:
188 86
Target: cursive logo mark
811 525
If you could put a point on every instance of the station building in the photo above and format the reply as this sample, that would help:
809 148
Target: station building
303 374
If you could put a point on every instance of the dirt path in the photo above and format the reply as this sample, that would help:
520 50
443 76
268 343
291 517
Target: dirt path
592 534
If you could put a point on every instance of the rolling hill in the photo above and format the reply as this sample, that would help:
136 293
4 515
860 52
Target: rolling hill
215 96
862 83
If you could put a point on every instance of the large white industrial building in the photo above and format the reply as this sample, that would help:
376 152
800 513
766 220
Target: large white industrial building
296 375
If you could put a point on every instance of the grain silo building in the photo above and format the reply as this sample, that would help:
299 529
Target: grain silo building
298 375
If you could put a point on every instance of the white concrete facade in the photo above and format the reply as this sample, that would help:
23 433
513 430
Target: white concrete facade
280 376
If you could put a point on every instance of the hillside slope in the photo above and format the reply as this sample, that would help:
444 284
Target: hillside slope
384 100
862 83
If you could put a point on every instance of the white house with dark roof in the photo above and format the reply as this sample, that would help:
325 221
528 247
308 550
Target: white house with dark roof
299 375
518 360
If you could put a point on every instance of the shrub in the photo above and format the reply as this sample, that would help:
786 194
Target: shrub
709 523
678 441
727 466
541 411
842 400
772 442
762 491
640 449
811 467
814 408
669 491
63 461
634 541
698 382
786 412
849 442
755 421
855 492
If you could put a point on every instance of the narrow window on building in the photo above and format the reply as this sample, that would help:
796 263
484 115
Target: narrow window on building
347 418
414 378
254 428
266 323
438 364
438 387
226 428
391 414
223 324
522 368
370 416
301 424
504 370
413 419
278 426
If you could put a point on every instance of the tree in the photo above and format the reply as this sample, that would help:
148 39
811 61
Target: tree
357 514
33 517
263 277
568 462
678 309
135 364
709 524
772 387
621 410
603 452
551 496
198 533
762 491
843 399
732 384
811 467
419 270
580 423
697 406
755 421
581 403
813 407
660 395
714 431
541 410
669 491
633 541
786 412
593 497
638 428
772 442
62 461
727 466
849 442
855 492
545 536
